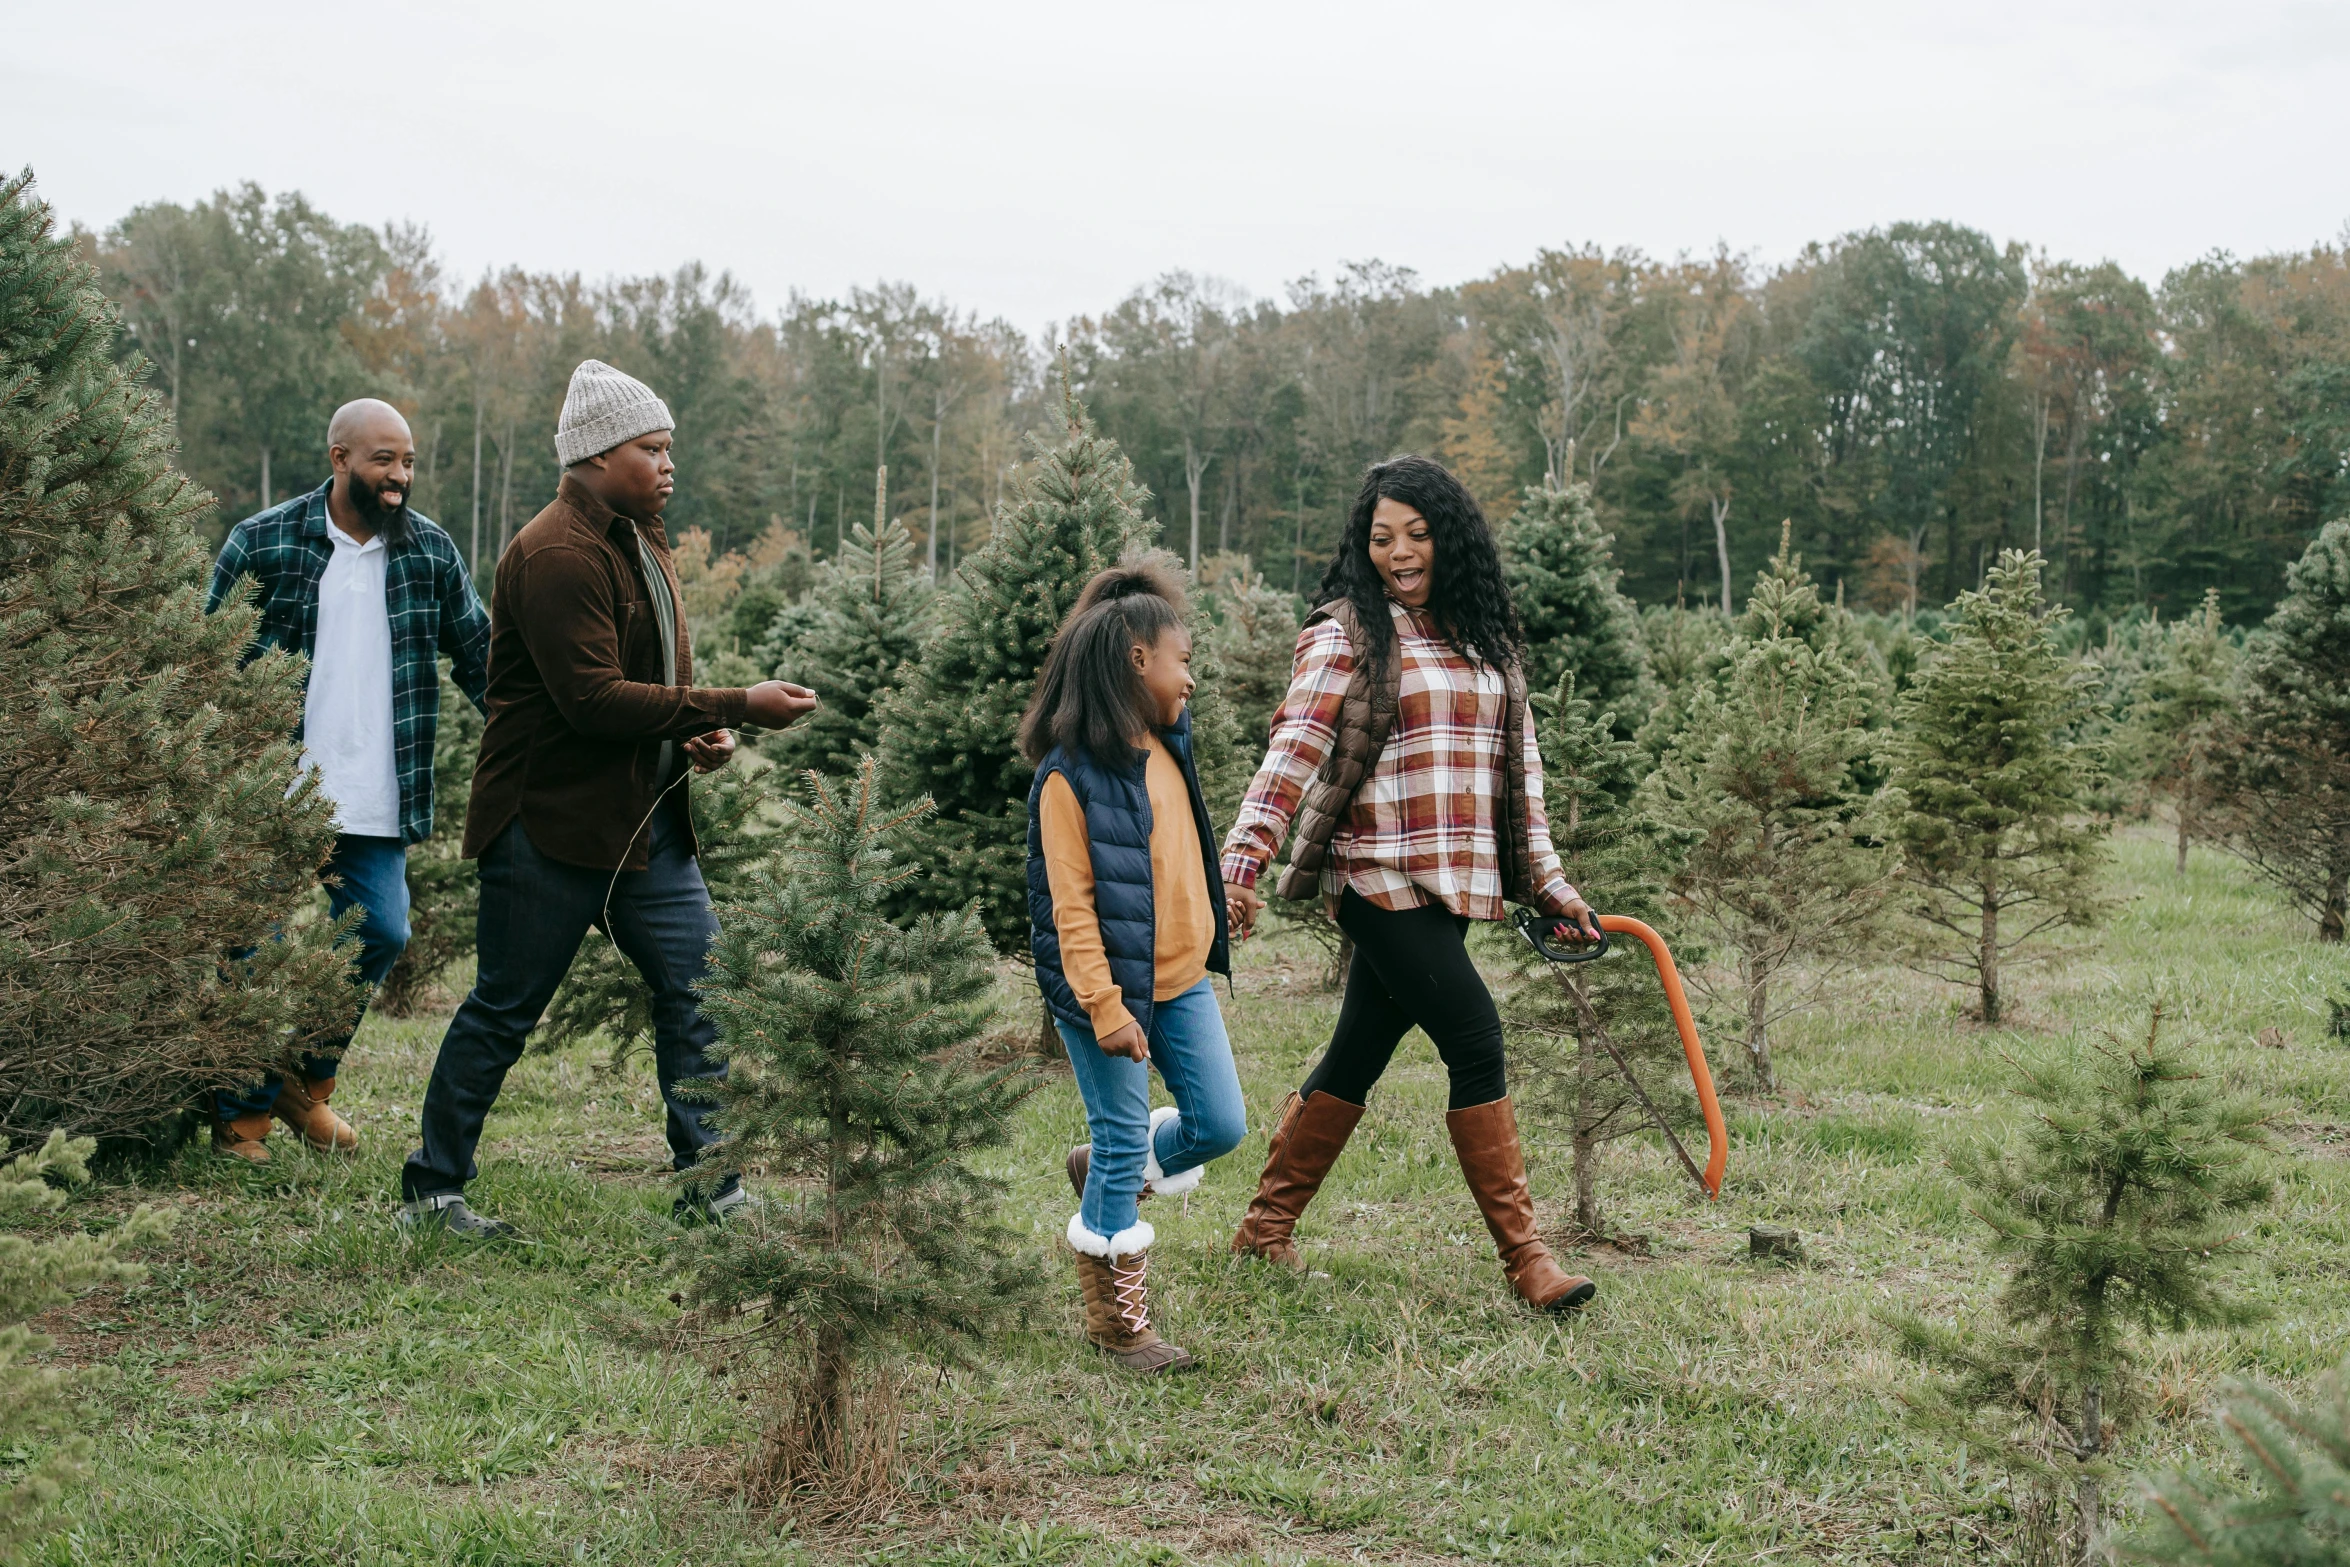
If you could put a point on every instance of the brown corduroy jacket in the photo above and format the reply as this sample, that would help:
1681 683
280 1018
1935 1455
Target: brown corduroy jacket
577 709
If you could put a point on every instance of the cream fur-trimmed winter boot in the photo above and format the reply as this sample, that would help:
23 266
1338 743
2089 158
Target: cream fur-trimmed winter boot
1155 1181
1112 1274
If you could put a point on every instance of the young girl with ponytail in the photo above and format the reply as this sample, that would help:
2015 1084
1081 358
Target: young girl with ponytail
1126 916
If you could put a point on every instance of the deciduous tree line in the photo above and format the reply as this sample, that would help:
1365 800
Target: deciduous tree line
1772 785
1913 399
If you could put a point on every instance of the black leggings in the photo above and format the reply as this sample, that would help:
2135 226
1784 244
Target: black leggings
1411 967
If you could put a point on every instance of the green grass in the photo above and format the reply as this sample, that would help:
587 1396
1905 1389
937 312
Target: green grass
297 1382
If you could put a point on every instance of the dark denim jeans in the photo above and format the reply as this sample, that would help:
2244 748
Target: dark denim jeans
373 874
534 913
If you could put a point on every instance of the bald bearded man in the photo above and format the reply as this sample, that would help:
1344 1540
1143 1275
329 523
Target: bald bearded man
370 592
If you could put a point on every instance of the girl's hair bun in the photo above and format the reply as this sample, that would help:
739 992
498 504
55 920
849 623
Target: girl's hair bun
1151 573
1090 696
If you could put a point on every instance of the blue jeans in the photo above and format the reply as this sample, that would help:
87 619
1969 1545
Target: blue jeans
534 913
373 874
1188 1046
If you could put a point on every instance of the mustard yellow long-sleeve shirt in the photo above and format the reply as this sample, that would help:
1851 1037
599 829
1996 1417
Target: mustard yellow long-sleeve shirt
1184 918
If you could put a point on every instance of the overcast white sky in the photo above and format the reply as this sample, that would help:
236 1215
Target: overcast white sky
1037 159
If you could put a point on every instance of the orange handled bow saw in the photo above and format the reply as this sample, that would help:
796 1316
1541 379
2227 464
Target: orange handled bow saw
1717 1134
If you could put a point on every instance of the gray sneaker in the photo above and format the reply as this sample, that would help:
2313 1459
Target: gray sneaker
447 1211
694 1208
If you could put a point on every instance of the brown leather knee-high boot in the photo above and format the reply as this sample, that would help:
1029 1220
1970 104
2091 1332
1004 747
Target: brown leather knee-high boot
1306 1142
1485 1137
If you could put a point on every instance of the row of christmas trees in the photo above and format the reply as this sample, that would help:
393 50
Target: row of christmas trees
1774 788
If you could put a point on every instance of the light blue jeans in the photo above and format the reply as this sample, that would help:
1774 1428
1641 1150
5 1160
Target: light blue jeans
1188 1046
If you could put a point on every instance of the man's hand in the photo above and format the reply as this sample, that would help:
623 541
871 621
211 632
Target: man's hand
1128 1042
712 751
1576 922
773 704
1242 905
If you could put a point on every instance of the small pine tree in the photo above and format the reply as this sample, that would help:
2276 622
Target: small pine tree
150 823
1253 630
2128 1190
1685 647
733 810
1991 780
1244 640
1618 857
1766 775
36 1275
2296 1460
778 572
2287 772
847 1041
1562 575
865 615
444 890
2181 709
950 731
1680 642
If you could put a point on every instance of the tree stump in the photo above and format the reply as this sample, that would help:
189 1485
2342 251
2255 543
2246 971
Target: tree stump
1774 1241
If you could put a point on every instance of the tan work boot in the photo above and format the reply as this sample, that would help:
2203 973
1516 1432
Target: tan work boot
1117 1311
242 1138
302 1106
1306 1142
1485 1137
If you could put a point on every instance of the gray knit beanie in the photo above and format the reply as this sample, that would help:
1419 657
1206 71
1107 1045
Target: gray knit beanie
604 408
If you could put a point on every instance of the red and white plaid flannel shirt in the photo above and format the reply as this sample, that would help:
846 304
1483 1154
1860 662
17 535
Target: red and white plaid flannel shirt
1421 827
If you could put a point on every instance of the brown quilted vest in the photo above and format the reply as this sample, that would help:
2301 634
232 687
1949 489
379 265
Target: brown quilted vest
1365 716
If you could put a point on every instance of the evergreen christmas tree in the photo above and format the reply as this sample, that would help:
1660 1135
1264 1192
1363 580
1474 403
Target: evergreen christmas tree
2177 720
949 730
733 810
2128 1191
2296 1461
847 1040
777 574
2287 772
864 622
444 889
1618 857
35 1275
146 827
1699 646
1684 647
1252 629
1781 877
1994 851
1562 576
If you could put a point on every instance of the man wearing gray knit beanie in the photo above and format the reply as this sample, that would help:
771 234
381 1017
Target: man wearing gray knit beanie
578 812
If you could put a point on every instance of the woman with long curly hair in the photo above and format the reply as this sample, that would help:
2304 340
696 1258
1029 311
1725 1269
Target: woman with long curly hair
1405 754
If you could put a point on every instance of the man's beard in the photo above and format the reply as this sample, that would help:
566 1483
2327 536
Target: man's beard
367 501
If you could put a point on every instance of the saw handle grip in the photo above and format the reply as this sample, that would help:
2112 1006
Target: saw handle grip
1531 926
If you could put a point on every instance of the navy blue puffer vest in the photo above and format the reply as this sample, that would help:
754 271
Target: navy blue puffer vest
1117 807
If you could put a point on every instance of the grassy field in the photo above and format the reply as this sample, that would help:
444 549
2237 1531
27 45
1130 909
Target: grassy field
297 1382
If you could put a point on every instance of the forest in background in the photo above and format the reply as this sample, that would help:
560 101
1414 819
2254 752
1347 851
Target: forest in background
1912 398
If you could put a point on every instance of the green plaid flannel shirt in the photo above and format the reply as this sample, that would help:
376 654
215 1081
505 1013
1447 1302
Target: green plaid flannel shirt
433 610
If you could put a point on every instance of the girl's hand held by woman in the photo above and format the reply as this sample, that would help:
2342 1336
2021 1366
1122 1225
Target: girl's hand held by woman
1242 905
